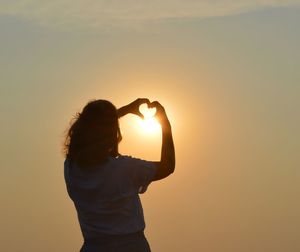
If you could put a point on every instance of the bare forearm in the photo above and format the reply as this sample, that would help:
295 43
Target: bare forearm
166 166
123 111
167 149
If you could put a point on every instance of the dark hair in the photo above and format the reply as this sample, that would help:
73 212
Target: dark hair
94 134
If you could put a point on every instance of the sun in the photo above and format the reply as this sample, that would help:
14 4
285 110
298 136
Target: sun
149 124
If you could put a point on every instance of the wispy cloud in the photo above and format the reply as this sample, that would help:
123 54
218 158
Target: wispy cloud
97 13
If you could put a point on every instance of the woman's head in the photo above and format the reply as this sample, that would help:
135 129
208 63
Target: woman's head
94 134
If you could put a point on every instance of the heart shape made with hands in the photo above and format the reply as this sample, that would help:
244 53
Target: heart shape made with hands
146 111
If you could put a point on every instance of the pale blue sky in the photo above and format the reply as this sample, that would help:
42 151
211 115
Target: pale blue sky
229 80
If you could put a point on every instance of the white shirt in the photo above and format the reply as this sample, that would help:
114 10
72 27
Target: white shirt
107 198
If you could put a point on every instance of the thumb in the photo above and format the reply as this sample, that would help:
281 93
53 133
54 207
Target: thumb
138 113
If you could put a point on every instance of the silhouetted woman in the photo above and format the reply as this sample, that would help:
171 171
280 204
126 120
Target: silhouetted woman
105 185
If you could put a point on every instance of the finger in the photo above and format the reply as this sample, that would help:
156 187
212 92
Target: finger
139 114
155 104
143 100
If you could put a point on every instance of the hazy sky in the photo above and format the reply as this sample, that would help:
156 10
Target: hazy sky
228 75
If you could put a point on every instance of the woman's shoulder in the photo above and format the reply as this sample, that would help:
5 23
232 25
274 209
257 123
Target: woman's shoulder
121 159
127 159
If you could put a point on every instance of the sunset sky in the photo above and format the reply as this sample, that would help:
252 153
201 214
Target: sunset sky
228 75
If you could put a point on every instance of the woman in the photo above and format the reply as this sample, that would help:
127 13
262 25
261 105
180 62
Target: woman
105 185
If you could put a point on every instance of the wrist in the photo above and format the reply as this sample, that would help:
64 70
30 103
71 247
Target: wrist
165 123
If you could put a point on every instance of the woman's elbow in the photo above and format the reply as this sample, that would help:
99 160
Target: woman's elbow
171 167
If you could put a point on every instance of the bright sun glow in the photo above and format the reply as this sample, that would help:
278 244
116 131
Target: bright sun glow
149 125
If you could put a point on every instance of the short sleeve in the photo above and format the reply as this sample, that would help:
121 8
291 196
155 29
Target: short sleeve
142 172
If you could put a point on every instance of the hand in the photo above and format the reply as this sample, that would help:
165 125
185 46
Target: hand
134 106
160 111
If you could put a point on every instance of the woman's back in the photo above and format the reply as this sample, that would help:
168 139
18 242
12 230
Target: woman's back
106 198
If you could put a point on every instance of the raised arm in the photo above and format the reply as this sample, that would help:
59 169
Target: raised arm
166 166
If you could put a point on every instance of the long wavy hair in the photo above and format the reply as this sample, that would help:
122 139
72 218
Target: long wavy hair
94 134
